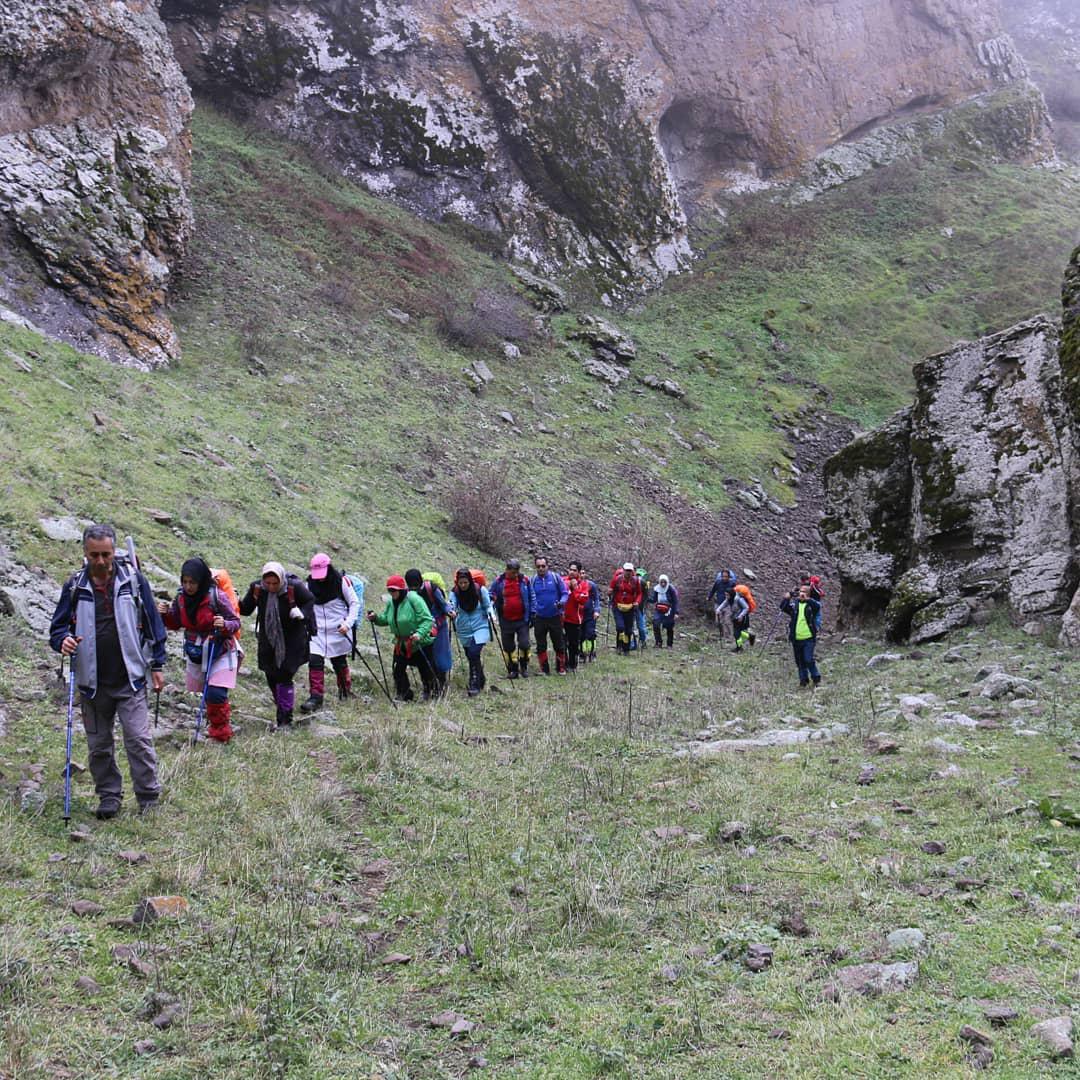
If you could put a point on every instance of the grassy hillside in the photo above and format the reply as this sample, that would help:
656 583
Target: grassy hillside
305 414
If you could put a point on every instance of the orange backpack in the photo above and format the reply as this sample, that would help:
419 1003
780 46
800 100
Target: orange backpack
479 577
748 596
223 582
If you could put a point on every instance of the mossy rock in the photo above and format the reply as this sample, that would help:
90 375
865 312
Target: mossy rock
916 589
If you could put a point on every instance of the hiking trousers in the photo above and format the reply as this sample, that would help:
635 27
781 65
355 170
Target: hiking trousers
515 639
804 660
99 714
573 644
551 625
421 659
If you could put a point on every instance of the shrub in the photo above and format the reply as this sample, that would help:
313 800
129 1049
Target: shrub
490 318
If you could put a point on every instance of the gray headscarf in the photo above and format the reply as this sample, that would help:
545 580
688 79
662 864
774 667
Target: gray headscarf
275 633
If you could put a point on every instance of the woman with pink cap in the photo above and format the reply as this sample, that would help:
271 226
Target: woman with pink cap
336 609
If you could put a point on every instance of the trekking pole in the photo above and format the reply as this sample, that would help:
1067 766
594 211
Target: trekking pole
374 677
67 764
205 688
157 707
769 636
498 641
457 637
431 670
378 649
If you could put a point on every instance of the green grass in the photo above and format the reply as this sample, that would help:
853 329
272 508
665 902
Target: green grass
526 884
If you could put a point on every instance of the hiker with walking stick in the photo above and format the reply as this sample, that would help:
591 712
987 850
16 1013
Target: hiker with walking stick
470 610
513 599
210 624
430 589
284 626
106 622
409 621
337 607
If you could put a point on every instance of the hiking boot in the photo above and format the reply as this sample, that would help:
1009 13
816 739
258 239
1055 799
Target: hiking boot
147 806
313 704
512 673
473 689
753 637
108 807
817 680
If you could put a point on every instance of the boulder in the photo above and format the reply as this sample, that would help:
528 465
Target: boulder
970 495
1056 1035
606 340
872 980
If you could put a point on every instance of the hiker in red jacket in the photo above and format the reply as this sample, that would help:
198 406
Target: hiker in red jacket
626 595
577 610
513 599
207 617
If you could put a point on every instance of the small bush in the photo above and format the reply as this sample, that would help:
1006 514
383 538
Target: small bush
491 318
482 507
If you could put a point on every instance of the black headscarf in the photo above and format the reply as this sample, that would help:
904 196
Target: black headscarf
468 599
328 588
414 579
197 570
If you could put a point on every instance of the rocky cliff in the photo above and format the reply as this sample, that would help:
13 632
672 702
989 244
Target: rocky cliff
93 158
970 497
587 134
1047 33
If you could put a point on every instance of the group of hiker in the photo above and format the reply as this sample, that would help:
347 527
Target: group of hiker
112 628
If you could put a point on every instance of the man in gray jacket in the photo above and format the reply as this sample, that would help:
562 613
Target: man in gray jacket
108 623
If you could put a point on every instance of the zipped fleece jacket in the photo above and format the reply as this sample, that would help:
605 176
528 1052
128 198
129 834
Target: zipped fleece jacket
549 596
498 596
78 594
409 617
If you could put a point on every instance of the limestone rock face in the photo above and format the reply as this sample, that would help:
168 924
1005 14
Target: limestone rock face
94 157
1047 34
586 134
968 498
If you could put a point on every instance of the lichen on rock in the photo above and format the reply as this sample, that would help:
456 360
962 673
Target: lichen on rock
991 508
93 172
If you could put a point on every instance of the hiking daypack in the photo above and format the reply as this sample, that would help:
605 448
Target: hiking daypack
222 582
479 578
748 596
357 583
435 578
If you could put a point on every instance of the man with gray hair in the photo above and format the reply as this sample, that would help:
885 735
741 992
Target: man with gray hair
108 623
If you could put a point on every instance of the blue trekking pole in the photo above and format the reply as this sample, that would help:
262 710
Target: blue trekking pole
67 766
205 688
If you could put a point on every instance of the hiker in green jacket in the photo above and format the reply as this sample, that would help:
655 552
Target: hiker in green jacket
411 623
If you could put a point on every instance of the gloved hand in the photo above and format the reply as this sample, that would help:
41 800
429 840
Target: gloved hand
295 613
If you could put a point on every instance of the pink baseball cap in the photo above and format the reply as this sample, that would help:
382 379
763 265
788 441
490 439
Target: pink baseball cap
319 565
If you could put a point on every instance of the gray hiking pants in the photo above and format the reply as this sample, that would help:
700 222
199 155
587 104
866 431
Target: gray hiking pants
99 714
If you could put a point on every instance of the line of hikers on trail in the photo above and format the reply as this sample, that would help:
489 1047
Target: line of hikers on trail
110 625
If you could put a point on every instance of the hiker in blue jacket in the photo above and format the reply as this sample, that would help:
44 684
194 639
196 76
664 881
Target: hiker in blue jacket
107 622
722 587
665 604
470 609
549 601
